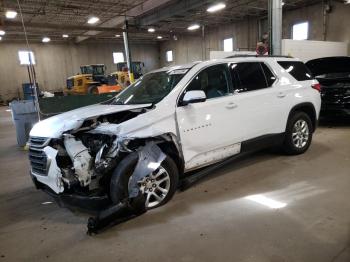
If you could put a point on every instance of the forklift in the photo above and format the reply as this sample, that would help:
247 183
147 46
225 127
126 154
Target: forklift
91 80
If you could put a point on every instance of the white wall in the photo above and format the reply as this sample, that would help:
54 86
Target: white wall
307 50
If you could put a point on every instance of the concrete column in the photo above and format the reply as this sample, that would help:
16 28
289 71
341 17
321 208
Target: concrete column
275 26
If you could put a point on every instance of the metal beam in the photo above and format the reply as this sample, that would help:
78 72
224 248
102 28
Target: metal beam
170 10
128 53
119 21
275 26
94 30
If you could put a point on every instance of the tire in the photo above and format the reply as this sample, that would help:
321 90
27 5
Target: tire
121 176
92 90
298 135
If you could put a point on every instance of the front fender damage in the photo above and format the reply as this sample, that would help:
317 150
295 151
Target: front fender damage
150 158
88 154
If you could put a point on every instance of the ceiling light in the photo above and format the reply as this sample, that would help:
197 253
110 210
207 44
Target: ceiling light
65 36
93 20
159 37
151 30
216 7
46 39
117 35
347 1
193 27
2 32
11 14
283 3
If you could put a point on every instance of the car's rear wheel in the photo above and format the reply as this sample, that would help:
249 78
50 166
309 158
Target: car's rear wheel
298 134
158 187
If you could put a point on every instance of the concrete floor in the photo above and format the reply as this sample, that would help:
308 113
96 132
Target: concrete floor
216 220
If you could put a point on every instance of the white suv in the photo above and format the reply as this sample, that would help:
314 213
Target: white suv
171 121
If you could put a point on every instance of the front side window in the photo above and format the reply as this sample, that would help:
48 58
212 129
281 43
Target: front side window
151 88
249 76
212 80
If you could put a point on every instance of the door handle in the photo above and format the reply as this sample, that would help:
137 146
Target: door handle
281 95
231 105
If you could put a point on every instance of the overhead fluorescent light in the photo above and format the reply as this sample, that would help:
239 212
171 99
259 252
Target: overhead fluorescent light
151 30
216 7
159 37
117 35
347 1
46 39
193 27
65 36
2 32
10 14
93 20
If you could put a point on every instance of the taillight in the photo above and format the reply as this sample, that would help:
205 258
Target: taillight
317 87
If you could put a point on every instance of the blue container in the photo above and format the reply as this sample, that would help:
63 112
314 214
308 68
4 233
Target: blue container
28 91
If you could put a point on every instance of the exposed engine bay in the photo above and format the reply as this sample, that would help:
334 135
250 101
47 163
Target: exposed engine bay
87 154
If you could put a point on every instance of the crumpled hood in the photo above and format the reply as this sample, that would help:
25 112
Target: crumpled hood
53 127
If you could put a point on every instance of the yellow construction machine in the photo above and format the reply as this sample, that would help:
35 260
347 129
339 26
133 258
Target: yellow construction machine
122 76
91 80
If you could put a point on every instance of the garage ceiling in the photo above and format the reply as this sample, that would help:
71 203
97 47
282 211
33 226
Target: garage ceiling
53 18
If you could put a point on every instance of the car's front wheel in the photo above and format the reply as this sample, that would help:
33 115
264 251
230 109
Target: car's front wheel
298 134
158 187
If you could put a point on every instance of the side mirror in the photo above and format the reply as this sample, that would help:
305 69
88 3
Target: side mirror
195 96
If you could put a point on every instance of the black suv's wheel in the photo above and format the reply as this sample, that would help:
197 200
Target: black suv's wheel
158 187
298 134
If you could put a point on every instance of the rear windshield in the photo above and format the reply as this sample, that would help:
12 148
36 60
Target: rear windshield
297 69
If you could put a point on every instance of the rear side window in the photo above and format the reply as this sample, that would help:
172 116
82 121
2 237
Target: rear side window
247 76
297 69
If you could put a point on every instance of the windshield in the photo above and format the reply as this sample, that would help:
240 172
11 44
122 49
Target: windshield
151 88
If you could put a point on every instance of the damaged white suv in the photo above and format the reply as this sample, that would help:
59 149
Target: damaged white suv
171 121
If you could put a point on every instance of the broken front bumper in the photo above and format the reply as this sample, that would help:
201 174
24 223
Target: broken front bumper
50 181
51 175
72 199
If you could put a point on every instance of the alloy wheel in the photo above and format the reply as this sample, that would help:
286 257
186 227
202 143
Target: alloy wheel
300 134
155 186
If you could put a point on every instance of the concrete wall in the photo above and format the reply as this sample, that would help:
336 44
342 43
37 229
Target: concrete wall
245 33
55 62
337 25
194 47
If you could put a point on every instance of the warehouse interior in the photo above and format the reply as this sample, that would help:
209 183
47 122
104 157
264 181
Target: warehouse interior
44 43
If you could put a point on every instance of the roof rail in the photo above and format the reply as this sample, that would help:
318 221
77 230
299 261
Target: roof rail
262 56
